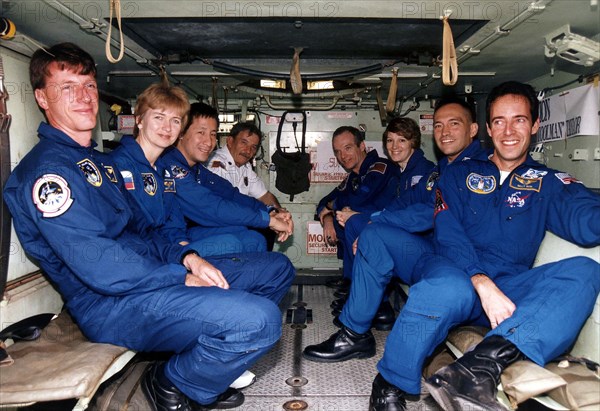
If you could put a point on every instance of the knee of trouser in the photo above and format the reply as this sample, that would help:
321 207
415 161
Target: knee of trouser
260 322
449 287
588 272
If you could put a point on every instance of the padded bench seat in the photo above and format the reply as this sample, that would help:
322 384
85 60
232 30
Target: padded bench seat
61 364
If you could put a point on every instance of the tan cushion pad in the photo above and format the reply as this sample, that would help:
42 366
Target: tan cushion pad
61 364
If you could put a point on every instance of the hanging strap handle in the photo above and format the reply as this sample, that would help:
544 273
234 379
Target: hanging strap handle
449 63
280 128
114 7
295 77
391 99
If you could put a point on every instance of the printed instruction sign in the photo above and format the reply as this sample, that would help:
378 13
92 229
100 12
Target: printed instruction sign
315 242
569 114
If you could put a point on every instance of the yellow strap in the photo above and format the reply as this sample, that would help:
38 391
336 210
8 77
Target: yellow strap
449 63
390 104
295 77
115 6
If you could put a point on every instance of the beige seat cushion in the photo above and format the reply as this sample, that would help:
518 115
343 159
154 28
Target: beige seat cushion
61 364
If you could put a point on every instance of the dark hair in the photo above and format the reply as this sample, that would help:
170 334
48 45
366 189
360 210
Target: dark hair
453 99
407 128
68 56
163 96
200 110
248 126
359 137
517 89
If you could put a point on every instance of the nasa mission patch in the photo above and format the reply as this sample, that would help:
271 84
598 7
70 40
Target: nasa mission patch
51 195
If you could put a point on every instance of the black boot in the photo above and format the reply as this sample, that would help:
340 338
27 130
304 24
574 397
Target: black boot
341 346
231 398
384 318
161 393
470 383
386 397
341 282
338 304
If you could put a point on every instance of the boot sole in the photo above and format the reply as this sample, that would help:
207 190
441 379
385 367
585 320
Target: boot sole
450 400
147 391
383 326
356 355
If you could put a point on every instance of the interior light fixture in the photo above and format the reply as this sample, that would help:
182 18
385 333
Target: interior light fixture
268 83
320 85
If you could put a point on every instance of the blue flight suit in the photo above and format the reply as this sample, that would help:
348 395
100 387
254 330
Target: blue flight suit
370 190
122 282
417 167
394 243
154 190
211 205
485 226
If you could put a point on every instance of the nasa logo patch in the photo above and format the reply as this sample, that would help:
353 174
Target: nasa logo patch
91 172
481 184
51 195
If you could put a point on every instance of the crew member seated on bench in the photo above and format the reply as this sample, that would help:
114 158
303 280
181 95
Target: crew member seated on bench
479 275
122 283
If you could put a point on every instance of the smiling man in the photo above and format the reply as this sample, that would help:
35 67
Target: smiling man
210 203
233 163
367 188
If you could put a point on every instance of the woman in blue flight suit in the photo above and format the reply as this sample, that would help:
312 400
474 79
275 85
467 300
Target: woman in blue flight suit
158 115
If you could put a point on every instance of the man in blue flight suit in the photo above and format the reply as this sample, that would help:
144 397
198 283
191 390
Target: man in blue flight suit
209 202
367 188
399 235
490 219
123 283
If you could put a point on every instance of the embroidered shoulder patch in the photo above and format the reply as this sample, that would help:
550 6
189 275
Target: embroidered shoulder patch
533 173
91 172
128 179
169 185
431 180
51 195
481 184
378 167
440 204
526 184
110 173
150 184
567 178
217 164
178 172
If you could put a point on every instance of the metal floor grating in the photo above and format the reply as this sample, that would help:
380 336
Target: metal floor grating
344 386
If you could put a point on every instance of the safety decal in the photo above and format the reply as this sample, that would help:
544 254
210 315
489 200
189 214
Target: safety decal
128 179
51 195
110 173
440 204
378 167
567 178
150 184
178 172
169 185
533 173
91 172
516 200
481 184
431 180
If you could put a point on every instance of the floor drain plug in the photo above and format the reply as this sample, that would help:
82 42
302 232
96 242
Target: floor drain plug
296 382
295 405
